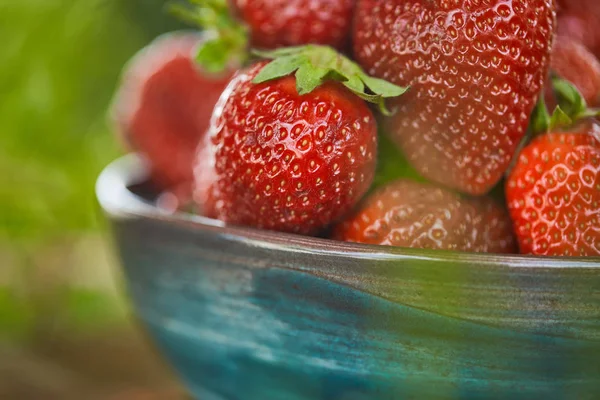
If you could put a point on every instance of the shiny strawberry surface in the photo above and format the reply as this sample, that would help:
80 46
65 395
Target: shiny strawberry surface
553 194
475 67
409 214
278 160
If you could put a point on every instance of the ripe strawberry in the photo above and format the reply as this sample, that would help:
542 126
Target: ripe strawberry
573 62
475 67
280 23
579 20
409 214
553 193
290 153
163 106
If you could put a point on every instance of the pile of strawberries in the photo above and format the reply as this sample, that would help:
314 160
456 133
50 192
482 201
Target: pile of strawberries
274 115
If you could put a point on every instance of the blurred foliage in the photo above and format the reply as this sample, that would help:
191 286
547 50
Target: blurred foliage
60 62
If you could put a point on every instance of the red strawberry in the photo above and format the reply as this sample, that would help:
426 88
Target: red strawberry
290 153
573 62
475 67
279 23
553 193
409 214
164 104
579 20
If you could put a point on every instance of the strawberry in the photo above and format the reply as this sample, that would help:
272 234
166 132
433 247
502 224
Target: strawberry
579 20
280 23
409 214
475 67
267 24
288 152
553 193
573 62
163 106
553 190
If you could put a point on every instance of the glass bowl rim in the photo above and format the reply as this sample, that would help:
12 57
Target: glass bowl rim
118 202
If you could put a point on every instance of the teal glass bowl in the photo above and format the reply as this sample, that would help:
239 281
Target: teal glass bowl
255 315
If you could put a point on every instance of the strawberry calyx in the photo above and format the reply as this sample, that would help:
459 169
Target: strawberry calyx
227 40
312 65
571 109
543 122
571 101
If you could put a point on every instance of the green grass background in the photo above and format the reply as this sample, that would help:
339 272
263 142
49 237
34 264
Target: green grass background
59 64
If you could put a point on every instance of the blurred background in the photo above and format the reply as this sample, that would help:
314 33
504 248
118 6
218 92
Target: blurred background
65 328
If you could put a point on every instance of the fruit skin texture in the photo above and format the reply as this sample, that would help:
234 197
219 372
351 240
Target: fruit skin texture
280 161
163 107
573 62
409 214
553 194
475 68
280 23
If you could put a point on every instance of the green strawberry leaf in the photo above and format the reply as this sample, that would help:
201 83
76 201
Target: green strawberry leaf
569 98
571 108
559 119
213 56
280 67
309 78
315 64
228 44
381 86
355 84
207 14
540 119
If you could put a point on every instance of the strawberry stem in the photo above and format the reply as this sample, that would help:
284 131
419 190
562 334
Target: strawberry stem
227 43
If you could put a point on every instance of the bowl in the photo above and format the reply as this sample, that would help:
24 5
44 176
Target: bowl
256 315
